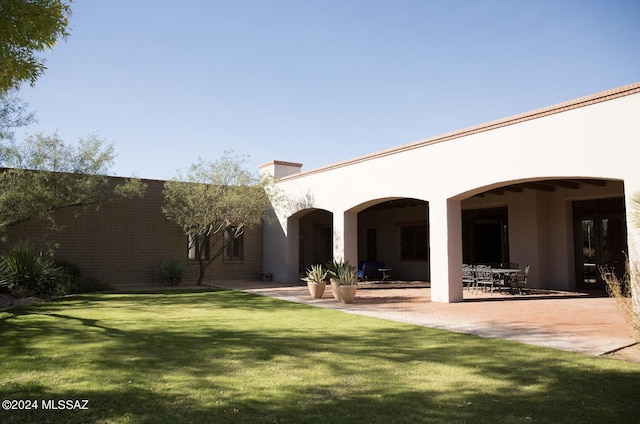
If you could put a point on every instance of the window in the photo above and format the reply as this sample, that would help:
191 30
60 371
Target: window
234 245
414 242
485 236
206 248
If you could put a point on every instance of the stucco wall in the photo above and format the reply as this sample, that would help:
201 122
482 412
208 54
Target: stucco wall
593 137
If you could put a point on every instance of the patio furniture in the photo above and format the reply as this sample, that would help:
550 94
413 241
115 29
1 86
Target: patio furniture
502 276
386 273
520 280
370 271
468 277
484 277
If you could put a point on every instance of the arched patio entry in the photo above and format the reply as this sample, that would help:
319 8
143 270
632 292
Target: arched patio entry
395 234
566 229
315 239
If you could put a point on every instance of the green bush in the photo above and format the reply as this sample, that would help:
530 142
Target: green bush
27 272
83 284
70 268
80 283
171 271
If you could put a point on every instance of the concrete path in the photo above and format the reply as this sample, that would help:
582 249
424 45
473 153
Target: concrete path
576 322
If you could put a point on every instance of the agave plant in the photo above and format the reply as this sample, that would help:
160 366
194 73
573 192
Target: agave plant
316 274
343 272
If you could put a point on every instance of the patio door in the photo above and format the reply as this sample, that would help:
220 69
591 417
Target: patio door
485 236
600 240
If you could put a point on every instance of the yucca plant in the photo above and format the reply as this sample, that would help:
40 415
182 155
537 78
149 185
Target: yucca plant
25 271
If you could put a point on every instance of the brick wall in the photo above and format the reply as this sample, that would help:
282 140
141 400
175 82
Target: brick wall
123 241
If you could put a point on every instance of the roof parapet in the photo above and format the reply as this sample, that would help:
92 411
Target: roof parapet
279 169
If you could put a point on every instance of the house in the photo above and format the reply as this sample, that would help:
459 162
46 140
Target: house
550 188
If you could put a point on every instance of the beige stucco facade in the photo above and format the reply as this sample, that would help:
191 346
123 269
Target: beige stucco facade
592 142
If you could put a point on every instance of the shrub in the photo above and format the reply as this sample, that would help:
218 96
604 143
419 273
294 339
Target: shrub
171 271
83 284
27 272
622 290
70 268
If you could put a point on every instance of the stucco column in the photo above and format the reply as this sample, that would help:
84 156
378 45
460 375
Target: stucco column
292 250
345 237
445 225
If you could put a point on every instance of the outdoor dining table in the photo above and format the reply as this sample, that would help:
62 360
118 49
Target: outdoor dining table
386 273
503 274
507 271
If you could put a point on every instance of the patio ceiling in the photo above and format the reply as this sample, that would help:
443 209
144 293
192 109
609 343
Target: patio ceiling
545 185
396 204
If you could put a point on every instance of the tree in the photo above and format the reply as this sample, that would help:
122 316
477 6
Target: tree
13 114
27 28
213 204
44 174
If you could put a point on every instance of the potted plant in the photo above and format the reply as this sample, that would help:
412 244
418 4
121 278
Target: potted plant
171 271
343 281
316 280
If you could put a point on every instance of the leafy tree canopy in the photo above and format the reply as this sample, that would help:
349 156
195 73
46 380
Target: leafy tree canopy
213 199
44 174
28 27
13 114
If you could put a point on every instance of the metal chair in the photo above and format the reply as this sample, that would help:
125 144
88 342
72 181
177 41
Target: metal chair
484 277
520 280
468 277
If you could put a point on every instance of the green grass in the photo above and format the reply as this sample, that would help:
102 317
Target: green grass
231 357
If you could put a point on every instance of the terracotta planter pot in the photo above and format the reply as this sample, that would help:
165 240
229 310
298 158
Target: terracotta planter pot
316 290
343 293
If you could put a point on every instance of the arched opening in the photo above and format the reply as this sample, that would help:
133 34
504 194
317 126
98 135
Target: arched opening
393 240
315 239
566 229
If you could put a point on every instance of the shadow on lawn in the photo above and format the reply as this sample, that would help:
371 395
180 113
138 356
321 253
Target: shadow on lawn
365 370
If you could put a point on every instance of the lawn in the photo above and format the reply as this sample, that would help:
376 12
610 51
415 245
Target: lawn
232 357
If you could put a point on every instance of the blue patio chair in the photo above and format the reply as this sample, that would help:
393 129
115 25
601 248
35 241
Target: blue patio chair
369 270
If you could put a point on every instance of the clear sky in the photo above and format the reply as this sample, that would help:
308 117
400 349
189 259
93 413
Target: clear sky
317 81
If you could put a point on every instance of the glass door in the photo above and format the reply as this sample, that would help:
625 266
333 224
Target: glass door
600 240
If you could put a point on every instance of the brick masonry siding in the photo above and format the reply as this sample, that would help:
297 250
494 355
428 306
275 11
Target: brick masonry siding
123 241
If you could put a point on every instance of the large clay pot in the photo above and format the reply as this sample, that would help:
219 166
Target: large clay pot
343 293
316 290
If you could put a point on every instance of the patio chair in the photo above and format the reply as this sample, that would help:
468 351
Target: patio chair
484 277
520 280
468 277
369 271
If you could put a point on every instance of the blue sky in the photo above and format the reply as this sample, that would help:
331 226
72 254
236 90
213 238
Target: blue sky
317 81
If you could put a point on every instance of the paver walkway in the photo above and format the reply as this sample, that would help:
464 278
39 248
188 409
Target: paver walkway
575 322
